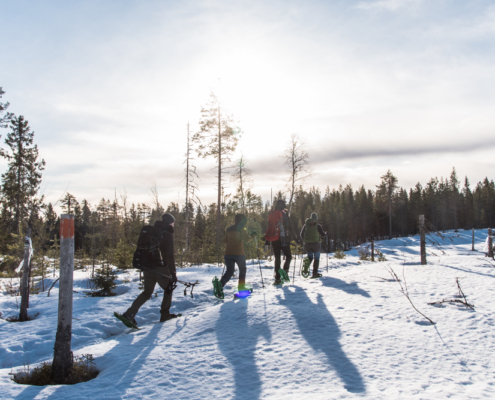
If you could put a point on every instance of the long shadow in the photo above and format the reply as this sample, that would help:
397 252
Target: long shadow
471 272
351 288
237 341
322 333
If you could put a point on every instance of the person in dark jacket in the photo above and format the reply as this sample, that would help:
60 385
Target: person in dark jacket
234 237
167 267
310 235
282 244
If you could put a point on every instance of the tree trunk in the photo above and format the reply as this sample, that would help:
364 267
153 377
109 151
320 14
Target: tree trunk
219 199
62 358
23 315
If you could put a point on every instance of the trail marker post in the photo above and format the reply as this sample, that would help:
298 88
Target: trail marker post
422 235
490 243
372 248
62 358
23 315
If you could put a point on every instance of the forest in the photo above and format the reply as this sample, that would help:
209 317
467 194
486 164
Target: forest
107 232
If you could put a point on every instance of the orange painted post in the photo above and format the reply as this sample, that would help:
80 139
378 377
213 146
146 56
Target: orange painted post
62 358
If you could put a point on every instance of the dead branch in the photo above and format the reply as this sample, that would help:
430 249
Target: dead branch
53 284
404 291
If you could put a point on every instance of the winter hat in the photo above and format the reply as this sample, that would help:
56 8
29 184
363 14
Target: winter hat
280 205
314 216
239 218
168 218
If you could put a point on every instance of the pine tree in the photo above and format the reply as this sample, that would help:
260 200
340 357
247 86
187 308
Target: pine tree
386 190
216 138
21 182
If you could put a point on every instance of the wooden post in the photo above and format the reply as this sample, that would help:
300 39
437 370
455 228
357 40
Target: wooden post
23 315
372 248
472 247
62 358
490 243
422 239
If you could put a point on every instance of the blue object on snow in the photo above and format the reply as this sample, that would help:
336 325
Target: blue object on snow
243 294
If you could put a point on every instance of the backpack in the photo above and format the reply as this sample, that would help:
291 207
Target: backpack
273 231
311 234
147 253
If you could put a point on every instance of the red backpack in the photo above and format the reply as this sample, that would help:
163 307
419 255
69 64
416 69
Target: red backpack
273 231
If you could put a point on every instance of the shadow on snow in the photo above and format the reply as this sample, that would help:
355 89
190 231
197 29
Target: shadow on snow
237 341
322 333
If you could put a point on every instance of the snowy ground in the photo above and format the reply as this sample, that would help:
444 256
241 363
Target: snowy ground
350 334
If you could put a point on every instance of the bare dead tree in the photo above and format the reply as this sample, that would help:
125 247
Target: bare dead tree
241 175
191 186
297 162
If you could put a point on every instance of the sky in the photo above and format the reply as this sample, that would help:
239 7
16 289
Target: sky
109 88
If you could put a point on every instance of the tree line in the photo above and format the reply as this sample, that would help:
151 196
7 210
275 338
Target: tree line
107 232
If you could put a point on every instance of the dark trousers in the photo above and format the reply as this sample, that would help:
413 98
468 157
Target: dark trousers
150 281
277 249
313 250
230 262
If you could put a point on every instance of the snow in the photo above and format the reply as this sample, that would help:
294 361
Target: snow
351 334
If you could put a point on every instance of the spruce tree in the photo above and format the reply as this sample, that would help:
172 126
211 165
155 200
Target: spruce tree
21 182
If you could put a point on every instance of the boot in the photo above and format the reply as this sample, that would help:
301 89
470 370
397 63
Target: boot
130 317
167 316
316 264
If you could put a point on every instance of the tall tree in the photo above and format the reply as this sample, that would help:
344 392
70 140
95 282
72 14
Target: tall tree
21 182
191 189
217 138
297 162
386 189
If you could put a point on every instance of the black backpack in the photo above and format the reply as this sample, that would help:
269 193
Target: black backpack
147 254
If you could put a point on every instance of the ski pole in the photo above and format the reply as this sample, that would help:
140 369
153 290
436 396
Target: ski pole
327 253
294 272
258 254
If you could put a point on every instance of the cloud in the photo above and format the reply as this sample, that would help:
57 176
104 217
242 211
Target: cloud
389 5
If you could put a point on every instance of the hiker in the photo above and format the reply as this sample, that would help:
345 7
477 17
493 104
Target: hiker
234 237
163 266
310 235
278 235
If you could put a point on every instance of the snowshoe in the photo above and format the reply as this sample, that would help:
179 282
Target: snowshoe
242 294
305 267
125 321
217 288
278 282
316 276
283 275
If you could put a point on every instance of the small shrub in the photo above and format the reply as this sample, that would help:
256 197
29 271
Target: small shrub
364 254
381 257
339 254
104 281
83 370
